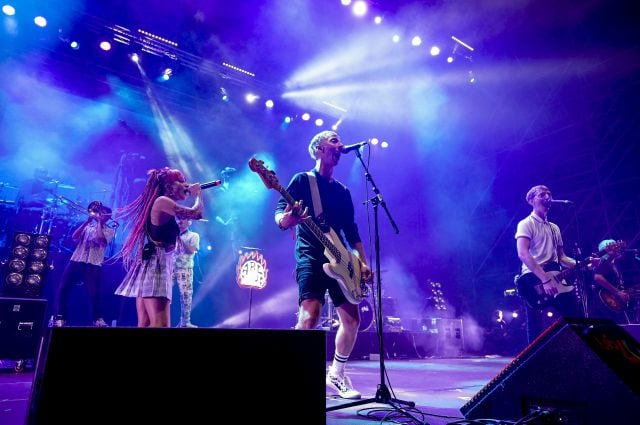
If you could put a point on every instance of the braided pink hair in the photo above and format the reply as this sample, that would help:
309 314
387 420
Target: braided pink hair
136 214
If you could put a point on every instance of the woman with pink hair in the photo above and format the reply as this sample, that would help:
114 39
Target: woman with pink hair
146 252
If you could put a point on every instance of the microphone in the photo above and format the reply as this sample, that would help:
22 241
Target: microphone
213 183
561 201
355 146
206 185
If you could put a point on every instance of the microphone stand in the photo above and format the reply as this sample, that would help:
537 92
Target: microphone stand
383 395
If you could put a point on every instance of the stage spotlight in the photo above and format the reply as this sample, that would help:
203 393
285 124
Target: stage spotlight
416 41
462 43
8 10
359 8
306 116
40 21
345 2
269 103
74 45
134 56
27 266
225 95
105 45
384 145
166 74
250 97
285 122
395 38
377 20
435 51
374 141
450 59
319 122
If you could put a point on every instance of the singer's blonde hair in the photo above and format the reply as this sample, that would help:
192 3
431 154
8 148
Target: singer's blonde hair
534 191
317 139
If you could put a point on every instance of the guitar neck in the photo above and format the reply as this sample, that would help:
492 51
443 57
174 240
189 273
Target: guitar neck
311 225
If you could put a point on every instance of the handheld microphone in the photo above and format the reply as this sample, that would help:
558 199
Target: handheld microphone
213 183
355 146
561 201
206 185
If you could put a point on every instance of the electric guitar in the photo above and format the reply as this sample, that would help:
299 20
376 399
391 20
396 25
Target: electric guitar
344 265
614 303
532 289
610 299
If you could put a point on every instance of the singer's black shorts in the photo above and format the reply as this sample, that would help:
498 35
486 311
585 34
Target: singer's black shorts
313 283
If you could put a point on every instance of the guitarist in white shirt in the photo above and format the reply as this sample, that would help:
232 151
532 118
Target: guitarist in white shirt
338 212
539 244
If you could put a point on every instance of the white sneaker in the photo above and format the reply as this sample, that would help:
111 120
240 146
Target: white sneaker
187 325
342 386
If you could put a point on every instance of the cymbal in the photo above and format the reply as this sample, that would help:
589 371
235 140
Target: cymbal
57 184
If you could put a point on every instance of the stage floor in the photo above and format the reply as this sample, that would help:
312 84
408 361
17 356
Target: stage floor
438 387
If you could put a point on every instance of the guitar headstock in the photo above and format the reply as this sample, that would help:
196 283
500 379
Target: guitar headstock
268 177
615 247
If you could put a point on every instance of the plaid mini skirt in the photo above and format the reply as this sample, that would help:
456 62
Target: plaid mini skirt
151 277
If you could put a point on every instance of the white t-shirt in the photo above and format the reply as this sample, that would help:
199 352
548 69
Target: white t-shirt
544 239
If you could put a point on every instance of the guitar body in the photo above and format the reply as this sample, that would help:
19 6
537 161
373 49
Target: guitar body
345 267
610 301
532 290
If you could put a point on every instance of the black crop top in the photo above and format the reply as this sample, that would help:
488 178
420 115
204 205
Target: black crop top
165 234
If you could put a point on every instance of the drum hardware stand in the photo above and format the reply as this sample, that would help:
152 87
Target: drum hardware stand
383 394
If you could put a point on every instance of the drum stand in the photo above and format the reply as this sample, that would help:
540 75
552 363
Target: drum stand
383 395
328 321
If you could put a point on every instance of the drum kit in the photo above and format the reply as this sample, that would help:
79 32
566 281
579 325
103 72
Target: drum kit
329 319
43 211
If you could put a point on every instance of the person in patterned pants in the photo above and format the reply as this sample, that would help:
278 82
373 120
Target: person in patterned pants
187 245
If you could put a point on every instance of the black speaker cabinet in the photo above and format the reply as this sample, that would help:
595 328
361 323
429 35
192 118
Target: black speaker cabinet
180 376
579 371
21 327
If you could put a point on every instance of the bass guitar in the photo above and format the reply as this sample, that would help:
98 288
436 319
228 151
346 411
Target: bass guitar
344 265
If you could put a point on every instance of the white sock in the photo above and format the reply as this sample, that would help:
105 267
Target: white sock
339 362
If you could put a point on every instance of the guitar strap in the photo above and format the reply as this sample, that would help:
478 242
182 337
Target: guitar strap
315 194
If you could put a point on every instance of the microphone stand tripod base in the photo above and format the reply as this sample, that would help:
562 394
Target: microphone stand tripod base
383 395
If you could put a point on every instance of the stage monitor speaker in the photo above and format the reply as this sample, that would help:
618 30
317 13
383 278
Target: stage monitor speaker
578 371
187 376
21 327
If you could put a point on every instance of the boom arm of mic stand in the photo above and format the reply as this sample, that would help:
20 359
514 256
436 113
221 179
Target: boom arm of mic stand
378 197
